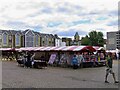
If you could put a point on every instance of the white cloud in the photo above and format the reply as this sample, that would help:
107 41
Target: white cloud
41 13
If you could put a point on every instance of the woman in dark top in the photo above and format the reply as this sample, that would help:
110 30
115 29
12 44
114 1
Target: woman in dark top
28 63
109 62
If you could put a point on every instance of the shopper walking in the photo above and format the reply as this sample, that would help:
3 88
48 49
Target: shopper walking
109 62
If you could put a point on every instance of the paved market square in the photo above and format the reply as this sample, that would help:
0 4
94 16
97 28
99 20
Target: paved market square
14 76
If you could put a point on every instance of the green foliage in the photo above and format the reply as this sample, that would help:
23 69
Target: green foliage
85 40
94 39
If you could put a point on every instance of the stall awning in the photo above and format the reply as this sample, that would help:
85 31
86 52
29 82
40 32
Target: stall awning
27 48
98 48
78 48
89 48
69 48
62 48
7 49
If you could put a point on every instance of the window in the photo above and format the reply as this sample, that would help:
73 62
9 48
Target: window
17 40
47 41
5 39
29 39
111 41
43 41
37 40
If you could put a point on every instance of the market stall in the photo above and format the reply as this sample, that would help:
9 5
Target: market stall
100 56
63 54
66 53
115 53
8 53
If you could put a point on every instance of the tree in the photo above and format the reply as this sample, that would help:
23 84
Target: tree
85 40
93 38
96 38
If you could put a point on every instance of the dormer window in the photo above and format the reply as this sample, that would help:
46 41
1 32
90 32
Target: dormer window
5 39
37 40
17 40
29 39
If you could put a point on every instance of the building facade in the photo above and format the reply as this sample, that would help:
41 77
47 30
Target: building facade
27 38
30 38
58 41
10 39
118 39
68 41
76 41
113 40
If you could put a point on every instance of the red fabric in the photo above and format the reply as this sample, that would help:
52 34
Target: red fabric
88 48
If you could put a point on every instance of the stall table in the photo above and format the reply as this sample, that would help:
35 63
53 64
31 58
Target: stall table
39 64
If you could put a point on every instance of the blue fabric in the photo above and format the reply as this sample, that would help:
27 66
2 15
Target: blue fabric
74 61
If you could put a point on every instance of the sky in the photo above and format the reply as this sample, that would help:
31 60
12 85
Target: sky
62 17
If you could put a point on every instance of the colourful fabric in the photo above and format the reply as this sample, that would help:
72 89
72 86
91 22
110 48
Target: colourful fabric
98 58
74 61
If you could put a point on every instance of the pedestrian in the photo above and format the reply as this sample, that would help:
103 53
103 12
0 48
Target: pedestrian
24 60
109 62
32 59
80 59
75 62
28 63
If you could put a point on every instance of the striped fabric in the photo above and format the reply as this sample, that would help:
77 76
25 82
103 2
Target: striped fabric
38 48
59 48
5 49
62 48
78 48
69 48
98 48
